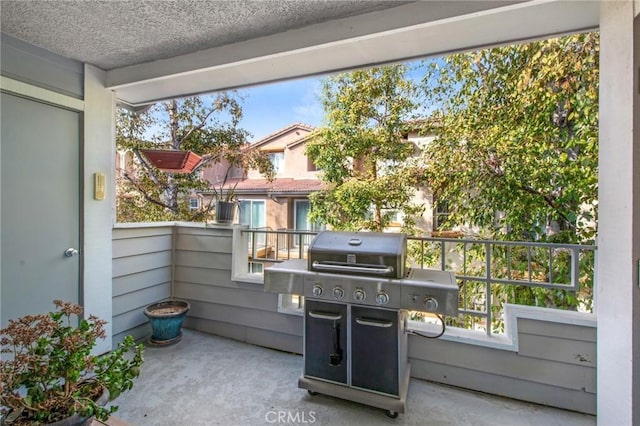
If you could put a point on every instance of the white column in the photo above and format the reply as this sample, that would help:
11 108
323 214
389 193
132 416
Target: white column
618 293
98 215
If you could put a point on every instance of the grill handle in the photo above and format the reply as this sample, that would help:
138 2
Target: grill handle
325 315
340 268
374 323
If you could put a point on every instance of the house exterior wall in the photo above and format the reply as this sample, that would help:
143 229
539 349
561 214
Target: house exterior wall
295 160
296 164
241 311
551 360
217 171
142 268
40 75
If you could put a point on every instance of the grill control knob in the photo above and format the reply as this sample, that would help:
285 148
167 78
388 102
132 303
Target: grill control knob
338 293
382 298
317 290
430 304
359 295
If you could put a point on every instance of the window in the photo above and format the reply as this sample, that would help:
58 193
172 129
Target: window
252 213
194 204
440 214
311 166
396 217
277 160
302 223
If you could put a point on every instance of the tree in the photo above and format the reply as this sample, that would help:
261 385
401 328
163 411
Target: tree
517 133
207 126
361 151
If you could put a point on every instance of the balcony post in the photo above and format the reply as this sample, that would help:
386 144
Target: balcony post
618 293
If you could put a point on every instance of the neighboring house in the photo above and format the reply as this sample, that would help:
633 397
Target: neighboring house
282 203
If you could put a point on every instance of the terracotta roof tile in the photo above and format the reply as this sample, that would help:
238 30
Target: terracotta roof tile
274 135
277 186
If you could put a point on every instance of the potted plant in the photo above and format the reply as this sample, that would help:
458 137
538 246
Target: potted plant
239 159
166 321
48 374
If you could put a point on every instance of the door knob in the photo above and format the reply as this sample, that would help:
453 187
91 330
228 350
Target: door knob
70 252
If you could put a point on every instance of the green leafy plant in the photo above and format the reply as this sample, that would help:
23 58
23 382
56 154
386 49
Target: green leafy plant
48 372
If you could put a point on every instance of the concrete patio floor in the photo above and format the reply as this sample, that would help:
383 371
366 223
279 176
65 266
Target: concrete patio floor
210 380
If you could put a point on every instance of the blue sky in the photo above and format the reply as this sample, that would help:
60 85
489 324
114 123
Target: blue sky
271 107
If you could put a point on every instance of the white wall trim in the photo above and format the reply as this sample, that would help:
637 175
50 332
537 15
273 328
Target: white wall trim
509 340
201 225
20 88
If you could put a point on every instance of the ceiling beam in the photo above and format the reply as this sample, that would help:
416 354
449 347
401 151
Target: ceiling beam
352 42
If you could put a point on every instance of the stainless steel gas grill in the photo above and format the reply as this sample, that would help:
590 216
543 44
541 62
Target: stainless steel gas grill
357 297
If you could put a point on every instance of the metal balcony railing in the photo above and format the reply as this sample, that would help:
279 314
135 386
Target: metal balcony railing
489 272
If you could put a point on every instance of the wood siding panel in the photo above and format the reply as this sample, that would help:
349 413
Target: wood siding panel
266 338
248 317
141 276
200 259
140 298
552 329
224 329
503 363
509 387
128 320
138 281
560 350
212 277
227 296
144 262
134 246
142 232
206 243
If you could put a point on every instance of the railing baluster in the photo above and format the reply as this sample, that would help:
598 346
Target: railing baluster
575 269
550 280
487 289
463 276
529 273
508 262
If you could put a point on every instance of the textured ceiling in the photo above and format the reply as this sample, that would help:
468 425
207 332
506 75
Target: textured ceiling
113 34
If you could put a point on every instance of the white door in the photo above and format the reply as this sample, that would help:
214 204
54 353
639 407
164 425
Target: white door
40 206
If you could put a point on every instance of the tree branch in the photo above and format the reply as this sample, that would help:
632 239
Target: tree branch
198 127
144 193
146 165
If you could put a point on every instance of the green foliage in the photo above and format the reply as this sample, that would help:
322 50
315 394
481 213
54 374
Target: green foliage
364 158
517 132
206 125
50 373
533 267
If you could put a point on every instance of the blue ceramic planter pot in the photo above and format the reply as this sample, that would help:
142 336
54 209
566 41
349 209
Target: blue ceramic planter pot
166 321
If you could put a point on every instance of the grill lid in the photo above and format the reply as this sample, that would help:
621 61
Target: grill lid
358 253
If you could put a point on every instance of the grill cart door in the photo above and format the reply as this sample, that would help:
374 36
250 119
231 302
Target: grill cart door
374 350
325 346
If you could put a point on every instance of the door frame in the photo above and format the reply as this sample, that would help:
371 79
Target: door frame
97 155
